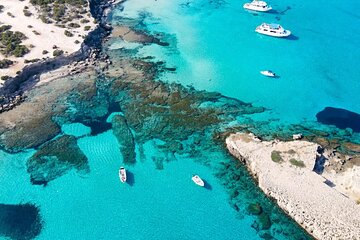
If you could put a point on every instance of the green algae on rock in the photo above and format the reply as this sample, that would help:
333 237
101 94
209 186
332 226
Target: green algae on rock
54 159
125 138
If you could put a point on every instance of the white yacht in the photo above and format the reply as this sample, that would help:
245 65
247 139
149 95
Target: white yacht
272 29
268 73
122 174
259 6
197 180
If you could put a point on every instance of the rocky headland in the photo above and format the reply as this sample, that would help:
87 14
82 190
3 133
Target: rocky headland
300 176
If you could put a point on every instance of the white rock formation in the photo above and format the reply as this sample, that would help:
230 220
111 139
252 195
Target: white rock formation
321 209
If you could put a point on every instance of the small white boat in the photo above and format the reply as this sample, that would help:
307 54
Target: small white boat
272 29
122 174
197 180
256 5
268 73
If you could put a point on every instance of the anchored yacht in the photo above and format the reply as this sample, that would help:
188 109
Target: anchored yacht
268 73
197 180
122 174
272 29
256 5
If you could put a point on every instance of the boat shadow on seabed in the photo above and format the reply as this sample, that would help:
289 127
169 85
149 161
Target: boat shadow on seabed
130 179
207 185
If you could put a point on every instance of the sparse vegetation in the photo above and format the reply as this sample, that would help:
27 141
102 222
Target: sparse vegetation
5 63
68 33
10 42
45 19
77 41
36 32
4 78
31 60
297 163
58 52
45 52
1 8
87 28
276 157
84 21
73 25
61 11
27 13
291 151
10 14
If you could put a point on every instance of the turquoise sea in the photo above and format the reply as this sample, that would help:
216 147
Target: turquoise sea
213 46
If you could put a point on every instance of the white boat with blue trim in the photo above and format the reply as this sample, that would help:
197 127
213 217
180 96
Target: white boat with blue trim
259 6
272 29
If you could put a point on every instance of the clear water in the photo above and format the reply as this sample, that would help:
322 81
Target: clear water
153 205
214 47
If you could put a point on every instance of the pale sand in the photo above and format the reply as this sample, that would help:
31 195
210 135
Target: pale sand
322 210
50 34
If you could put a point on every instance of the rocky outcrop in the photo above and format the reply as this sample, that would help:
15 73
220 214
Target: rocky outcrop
125 138
54 159
284 171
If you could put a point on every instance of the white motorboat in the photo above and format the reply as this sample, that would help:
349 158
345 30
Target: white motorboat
259 6
197 180
122 174
268 73
272 29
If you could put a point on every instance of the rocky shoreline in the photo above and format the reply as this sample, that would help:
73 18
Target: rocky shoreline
285 172
11 93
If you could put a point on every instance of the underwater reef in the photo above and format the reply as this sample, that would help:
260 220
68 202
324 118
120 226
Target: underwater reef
183 120
54 159
20 222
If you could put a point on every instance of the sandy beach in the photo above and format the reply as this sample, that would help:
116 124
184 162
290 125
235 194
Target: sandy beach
40 36
284 171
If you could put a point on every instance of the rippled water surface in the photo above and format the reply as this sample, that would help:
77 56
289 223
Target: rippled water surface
69 187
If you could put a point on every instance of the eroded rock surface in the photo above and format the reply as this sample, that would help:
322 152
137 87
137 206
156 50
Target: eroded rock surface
308 198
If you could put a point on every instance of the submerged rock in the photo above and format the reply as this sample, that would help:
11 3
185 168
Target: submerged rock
339 117
20 222
125 138
351 147
54 159
255 209
264 221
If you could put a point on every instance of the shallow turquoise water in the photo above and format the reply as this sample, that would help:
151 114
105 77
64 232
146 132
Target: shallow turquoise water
214 47
153 205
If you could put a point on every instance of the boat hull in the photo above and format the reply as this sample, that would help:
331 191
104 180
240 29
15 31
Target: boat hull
122 175
285 34
198 181
248 6
268 74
